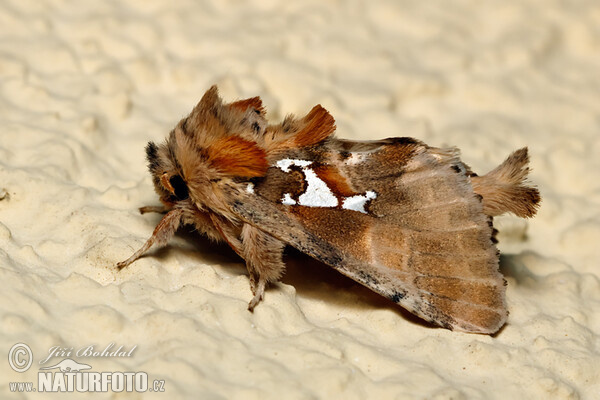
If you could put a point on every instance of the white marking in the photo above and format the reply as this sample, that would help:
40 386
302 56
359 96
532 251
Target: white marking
357 203
250 188
286 163
317 193
287 200
356 158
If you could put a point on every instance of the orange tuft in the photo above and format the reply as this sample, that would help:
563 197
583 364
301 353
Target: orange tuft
238 157
319 125
243 105
334 180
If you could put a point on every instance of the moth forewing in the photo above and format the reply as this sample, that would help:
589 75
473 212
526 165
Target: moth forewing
444 270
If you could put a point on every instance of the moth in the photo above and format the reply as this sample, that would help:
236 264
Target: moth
409 221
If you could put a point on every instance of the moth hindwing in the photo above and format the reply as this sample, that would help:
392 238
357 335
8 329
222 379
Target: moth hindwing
409 221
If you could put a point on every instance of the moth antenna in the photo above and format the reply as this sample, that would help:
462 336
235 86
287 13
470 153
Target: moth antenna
505 188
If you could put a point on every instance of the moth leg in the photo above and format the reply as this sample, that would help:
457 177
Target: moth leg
154 209
258 294
264 260
253 278
162 233
226 231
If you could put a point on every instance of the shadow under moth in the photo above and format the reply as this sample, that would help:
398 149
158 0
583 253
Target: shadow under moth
409 221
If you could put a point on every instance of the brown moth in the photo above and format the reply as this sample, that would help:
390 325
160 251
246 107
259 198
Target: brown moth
409 221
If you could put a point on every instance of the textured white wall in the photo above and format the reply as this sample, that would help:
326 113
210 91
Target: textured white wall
84 85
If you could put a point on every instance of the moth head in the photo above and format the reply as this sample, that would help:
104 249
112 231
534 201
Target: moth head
216 143
167 178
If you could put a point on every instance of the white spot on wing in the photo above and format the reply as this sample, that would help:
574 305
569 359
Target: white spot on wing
357 203
250 188
286 163
287 200
356 158
317 194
